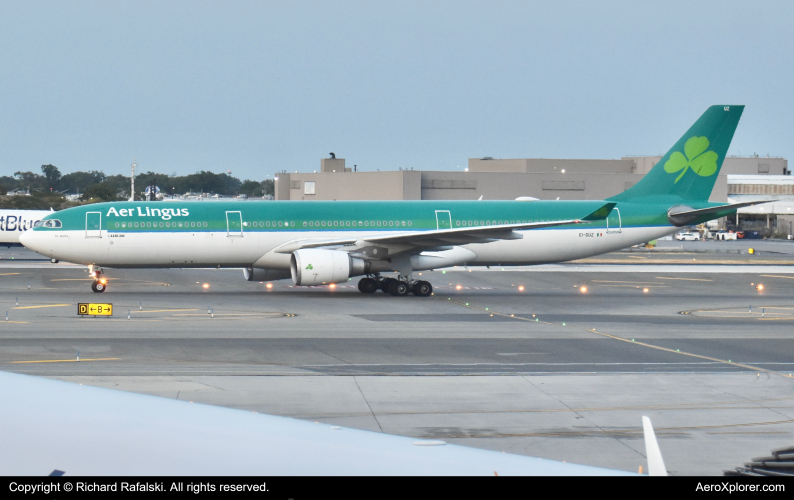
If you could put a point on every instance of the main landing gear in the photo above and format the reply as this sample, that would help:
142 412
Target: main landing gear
100 284
396 287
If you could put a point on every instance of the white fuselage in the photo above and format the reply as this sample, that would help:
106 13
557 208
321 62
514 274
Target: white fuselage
258 249
15 222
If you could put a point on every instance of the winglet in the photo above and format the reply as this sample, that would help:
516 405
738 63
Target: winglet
652 452
602 213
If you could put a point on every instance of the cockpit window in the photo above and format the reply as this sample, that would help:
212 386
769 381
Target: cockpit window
54 223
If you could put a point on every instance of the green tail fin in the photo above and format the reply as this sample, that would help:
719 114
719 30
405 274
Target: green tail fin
689 170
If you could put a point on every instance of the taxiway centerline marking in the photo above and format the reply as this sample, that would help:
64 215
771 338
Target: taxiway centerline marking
727 362
64 360
230 314
160 310
79 279
49 305
684 279
644 344
629 282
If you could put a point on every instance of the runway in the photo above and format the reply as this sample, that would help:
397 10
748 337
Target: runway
537 361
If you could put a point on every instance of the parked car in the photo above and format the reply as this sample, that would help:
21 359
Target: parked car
688 236
749 235
725 235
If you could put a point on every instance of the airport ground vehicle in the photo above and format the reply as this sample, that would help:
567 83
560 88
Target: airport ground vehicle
687 236
321 242
725 235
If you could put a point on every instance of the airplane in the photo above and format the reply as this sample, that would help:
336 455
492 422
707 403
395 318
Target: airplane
325 242
14 222
62 428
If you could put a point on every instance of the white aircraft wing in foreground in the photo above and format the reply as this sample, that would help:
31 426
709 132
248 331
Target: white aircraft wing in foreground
52 426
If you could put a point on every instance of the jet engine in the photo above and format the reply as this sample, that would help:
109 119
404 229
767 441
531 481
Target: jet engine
311 266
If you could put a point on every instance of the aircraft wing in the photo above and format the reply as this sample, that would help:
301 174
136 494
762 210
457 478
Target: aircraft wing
443 237
60 427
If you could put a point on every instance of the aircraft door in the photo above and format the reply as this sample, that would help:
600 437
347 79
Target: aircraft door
93 224
443 219
613 221
234 224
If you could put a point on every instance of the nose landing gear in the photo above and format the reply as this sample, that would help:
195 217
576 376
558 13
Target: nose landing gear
100 284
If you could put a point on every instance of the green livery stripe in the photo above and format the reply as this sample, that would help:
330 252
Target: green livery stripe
333 216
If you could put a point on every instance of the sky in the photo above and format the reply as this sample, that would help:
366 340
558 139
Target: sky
257 87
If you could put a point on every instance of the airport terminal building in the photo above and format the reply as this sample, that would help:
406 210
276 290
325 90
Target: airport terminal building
501 179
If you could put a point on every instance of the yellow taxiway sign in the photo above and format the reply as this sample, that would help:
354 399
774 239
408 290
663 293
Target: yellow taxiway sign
84 309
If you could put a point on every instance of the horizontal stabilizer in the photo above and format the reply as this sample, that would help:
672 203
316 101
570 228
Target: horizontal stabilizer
682 215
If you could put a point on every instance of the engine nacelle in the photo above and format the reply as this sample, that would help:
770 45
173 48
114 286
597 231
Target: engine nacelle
310 266
255 274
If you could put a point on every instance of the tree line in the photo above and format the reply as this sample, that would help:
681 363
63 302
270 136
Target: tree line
94 186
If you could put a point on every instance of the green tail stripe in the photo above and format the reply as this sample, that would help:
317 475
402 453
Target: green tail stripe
689 170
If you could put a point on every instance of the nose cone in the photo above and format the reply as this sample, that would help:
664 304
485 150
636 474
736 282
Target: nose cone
28 239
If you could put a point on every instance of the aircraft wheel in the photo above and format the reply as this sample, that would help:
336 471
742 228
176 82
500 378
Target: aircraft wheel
385 283
367 285
54 261
398 288
422 289
98 287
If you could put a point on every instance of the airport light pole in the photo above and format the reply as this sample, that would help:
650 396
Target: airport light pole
132 185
